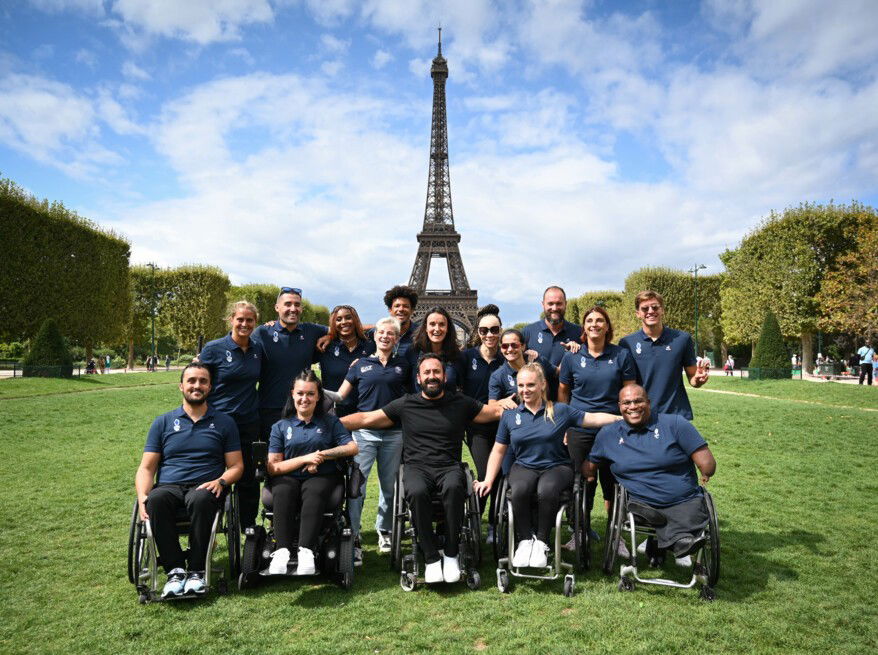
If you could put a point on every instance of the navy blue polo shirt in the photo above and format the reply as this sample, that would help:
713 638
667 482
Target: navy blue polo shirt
334 364
595 382
287 353
503 381
537 336
192 453
660 366
453 370
235 374
377 384
536 441
653 463
294 437
476 372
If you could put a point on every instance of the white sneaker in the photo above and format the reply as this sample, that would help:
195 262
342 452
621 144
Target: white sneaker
383 542
538 558
450 569
622 550
279 561
174 585
642 547
306 562
195 583
433 572
522 553
684 562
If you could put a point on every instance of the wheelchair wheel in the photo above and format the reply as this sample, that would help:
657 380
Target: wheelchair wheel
398 524
503 582
569 583
614 530
473 579
711 548
346 562
501 526
581 526
134 545
251 560
474 528
233 535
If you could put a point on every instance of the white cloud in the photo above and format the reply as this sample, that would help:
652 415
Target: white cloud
91 6
86 57
133 71
331 68
381 58
333 45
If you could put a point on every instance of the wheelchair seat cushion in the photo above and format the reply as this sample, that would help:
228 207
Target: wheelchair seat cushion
646 514
335 500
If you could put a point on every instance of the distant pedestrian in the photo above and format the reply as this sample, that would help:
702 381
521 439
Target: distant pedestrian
875 365
109 362
167 362
866 353
729 367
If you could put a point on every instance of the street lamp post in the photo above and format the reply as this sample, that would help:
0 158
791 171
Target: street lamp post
694 270
152 307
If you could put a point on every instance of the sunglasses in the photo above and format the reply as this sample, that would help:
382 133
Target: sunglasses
650 308
510 346
494 329
294 290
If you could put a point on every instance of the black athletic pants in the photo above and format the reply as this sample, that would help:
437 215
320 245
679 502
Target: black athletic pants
420 485
866 372
480 440
579 443
248 487
201 505
546 485
306 498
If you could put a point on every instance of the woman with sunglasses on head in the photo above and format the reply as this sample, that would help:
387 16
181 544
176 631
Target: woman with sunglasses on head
236 362
436 334
376 380
502 386
347 343
590 380
480 361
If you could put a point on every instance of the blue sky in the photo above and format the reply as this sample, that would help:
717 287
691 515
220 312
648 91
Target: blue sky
286 141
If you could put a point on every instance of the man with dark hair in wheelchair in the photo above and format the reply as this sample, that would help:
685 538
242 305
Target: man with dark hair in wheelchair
433 425
192 456
651 455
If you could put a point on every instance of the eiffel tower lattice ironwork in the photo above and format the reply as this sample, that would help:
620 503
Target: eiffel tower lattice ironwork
439 239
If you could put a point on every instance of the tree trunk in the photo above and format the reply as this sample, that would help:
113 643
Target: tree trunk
131 353
723 353
807 351
89 350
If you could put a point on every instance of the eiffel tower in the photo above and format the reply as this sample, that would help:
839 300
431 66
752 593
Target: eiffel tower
438 239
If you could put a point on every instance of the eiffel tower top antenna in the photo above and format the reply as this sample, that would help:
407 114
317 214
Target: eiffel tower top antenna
440 39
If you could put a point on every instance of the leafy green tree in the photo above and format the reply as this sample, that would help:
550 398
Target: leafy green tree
264 296
848 297
771 359
781 265
194 303
577 306
49 355
59 265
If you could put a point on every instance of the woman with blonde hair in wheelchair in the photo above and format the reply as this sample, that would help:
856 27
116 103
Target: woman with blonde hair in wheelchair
300 453
542 466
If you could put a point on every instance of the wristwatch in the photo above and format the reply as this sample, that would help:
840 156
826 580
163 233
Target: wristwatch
223 483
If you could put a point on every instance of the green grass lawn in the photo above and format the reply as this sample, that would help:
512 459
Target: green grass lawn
795 491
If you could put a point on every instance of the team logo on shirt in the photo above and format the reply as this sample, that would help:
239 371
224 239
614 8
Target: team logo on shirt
289 433
319 430
667 347
518 419
510 380
212 426
301 337
610 361
363 369
637 348
656 433
176 425
582 362
228 356
475 365
540 337
255 355
398 370
621 440
274 337
336 351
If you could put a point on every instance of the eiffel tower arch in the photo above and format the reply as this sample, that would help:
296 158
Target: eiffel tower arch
438 239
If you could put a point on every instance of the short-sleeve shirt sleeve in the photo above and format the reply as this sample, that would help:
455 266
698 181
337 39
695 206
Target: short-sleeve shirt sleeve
340 434
276 439
503 430
687 436
154 437
495 390
574 416
231 437
394 408
689 358
598 452
565 375
471 406
629 370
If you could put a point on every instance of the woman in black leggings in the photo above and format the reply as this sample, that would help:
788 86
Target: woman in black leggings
541 467
301 449
480 361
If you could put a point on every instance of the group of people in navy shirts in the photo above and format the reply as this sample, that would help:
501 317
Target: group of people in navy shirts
537 404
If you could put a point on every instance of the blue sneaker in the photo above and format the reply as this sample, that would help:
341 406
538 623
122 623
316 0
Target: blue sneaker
195 583
174 585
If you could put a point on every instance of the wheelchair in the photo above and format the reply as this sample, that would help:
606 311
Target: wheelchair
334 554
410 563
573 508
144 560
625 522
